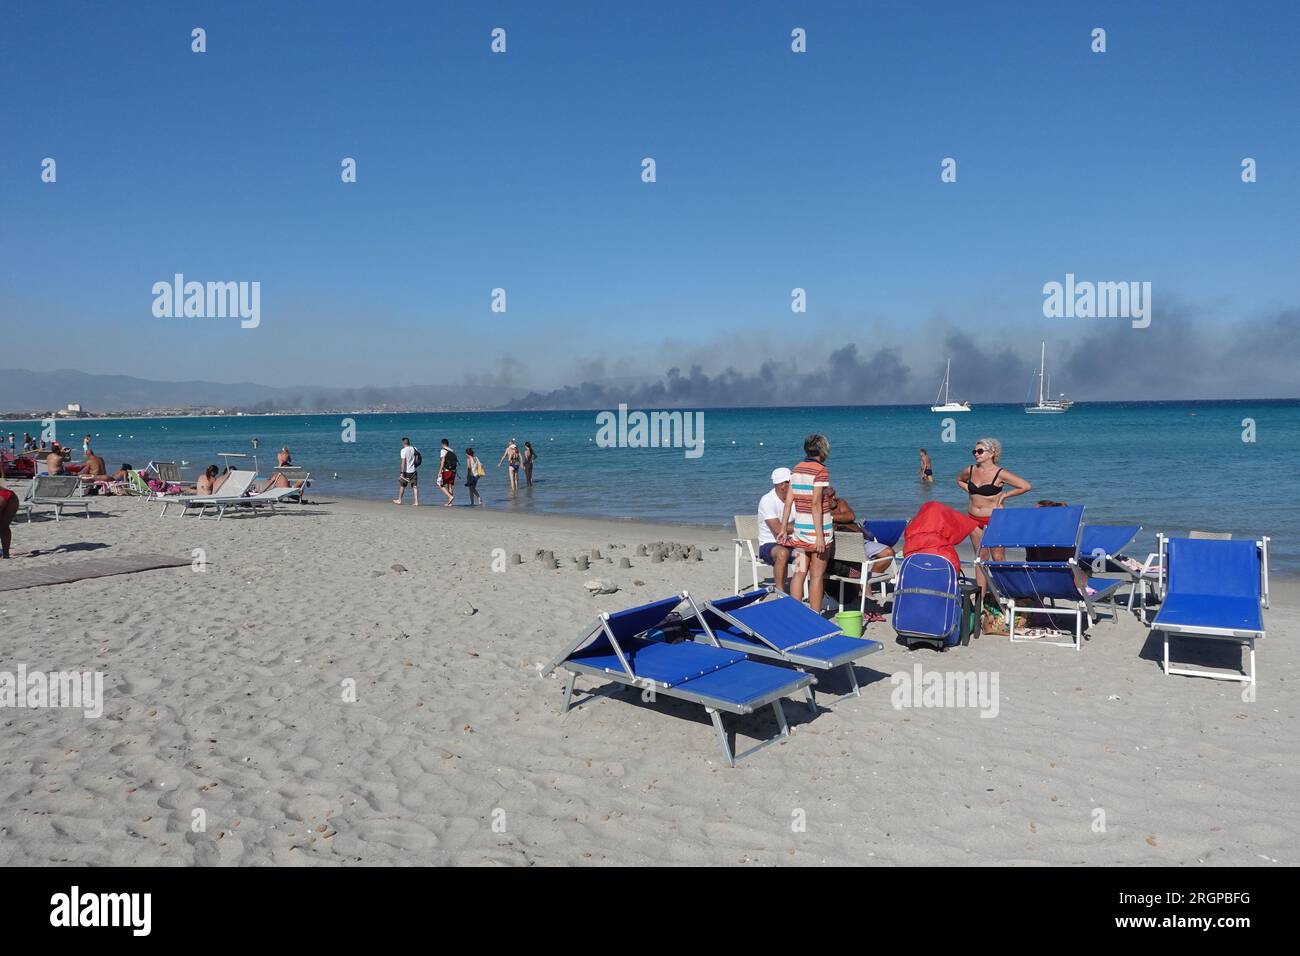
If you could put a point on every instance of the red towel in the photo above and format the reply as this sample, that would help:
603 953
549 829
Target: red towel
937 529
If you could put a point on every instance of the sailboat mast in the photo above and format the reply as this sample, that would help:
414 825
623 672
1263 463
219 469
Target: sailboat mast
946 372
1042 367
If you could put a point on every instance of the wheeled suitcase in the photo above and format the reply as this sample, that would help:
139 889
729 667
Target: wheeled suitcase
933 604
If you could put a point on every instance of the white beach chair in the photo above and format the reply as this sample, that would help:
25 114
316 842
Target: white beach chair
232 490
849 548
746 543
267 499
58 492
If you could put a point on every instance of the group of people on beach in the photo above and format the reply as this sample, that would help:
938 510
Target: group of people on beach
411 458
798 518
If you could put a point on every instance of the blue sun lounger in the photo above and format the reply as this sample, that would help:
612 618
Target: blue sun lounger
1102 549
627 647
1057 531
1217 590
782 629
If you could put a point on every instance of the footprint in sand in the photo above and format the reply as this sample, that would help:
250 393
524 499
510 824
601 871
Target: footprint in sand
136 684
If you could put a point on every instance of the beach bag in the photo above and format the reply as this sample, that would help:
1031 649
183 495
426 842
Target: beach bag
417 459
933 604
479 468
994 619
449 462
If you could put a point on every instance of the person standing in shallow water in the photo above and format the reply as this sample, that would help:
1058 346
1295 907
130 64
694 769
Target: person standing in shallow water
927 468
472 466
408 475
512 455
529 457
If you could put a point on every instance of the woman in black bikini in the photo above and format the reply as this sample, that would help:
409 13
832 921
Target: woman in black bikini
989 486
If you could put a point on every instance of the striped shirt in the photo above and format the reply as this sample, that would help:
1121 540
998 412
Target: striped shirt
806 476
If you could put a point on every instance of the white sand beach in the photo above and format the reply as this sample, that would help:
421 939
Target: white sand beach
224 694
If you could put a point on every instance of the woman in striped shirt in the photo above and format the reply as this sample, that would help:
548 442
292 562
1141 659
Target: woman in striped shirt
814 533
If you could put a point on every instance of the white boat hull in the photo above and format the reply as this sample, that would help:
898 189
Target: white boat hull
951 407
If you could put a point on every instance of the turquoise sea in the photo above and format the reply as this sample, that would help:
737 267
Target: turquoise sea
1168 466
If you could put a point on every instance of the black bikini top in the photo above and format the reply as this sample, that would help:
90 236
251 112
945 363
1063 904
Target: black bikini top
986 491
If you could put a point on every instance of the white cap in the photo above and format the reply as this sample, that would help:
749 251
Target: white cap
780 475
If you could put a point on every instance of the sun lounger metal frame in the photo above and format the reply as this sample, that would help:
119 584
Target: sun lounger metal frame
1241 635
714 706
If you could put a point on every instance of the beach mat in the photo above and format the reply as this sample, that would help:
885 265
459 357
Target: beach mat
19 578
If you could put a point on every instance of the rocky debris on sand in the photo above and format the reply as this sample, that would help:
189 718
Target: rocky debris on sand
600 586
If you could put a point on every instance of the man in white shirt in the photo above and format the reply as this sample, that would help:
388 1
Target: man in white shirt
408 476
770 508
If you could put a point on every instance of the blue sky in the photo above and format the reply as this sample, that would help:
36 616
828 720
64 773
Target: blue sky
522 171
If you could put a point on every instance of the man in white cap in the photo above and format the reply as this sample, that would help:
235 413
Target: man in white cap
770 508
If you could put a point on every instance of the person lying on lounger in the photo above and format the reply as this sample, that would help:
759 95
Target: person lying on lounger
277 480
210 482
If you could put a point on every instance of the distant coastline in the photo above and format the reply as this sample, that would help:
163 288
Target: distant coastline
146 414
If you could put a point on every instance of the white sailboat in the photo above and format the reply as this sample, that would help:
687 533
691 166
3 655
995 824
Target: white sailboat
1046 405
947 405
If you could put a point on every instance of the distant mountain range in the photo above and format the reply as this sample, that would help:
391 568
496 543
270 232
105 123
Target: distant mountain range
25 391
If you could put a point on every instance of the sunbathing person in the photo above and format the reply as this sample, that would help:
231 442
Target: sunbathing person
204 486
277 480
94 467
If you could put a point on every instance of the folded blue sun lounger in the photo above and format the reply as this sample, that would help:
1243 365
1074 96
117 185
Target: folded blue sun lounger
629 647
1217 590
1054 534
782 628
1102 549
